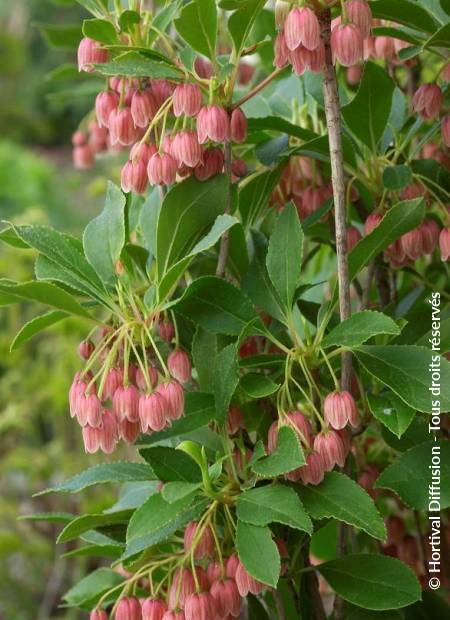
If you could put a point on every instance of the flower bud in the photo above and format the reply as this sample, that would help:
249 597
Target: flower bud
91 439
105 103
340 409
134 177
354 75
315 59
203 68
204 546
98 614
79 138
429 231
281 51
238 126
353 237
126 403
384 48
412 244
90 53
231 566
200 607
142 152
129 431
246 583
187 99
235 421
179 593
314 470
121 126
298 60
83 157
444 244
239 168
213 124
161 90
166 330
213 161
359 14
108 432
85 349
302 28
427 101
227 599
179 366
173 394
413 190
162 169
174 615
129 608
445 130
330 447
77 389
347 44
372 222
141 379
153 609
214 572
185 148
143 107
113 380
89 410
153 412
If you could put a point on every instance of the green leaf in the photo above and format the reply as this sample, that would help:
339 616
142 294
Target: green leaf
366 614
399 220
128 21
157 520
254 196
367 114
120 471
35 326
241 22
204 350
372 581
49 517
258 552
61 36
198 412
186 215
89 522
45 293
397 177
104 237
133 64
409 14
100 30
220 226
339 497
197 25
171 465
409 476
360 327
284 255
175 491
226 379
287 456
441 38
65 253
257 385
92 587
273 504
405 369
391 411
217 306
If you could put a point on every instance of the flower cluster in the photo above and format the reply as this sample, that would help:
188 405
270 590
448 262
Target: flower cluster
126 387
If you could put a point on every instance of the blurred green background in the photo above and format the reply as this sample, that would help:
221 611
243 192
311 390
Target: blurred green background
39 444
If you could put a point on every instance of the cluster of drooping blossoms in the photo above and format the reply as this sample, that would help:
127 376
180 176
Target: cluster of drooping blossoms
428 103
299 40
325 449
137 113
127 388
417 243
303 183
204 585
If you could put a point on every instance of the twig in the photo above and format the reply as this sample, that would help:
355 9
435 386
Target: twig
259 87
333 116
225 241
312 587
279 605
